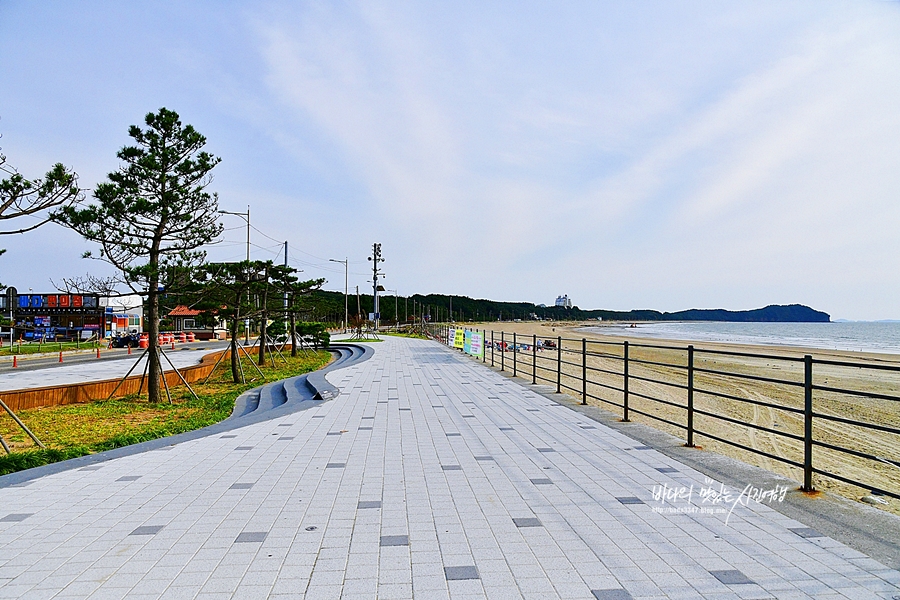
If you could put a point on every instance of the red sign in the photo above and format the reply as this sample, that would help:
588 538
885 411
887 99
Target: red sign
51 301
64 301
76 301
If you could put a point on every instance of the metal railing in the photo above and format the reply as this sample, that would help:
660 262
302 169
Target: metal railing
813 403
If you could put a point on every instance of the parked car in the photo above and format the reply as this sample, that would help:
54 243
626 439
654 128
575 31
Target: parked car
124 341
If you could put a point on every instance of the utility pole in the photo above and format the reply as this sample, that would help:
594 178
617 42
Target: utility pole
375 258
345 262
285 289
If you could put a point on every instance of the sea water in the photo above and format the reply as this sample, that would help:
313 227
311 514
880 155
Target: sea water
869 336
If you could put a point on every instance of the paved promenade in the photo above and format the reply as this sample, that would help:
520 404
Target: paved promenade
84 368
430 476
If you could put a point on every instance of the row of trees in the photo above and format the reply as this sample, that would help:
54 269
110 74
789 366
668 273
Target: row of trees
259 290
151 220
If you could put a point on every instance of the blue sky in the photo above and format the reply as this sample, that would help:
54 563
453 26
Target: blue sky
650 154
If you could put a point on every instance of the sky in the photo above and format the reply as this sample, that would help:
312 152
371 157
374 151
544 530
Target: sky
653 154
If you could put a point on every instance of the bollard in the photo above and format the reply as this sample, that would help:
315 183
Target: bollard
129 348
15 362
98 352
60 356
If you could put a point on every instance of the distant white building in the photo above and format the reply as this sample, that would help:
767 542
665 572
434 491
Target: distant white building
564 301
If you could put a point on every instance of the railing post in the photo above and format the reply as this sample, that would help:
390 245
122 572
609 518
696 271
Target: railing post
583 371
559 365
807 419
492 347
515 351
625 386
502 350
483 340
533 359
690 398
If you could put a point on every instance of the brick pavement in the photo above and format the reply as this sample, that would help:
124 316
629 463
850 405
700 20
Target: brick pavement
430 476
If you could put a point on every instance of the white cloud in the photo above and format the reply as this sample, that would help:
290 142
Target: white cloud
663 155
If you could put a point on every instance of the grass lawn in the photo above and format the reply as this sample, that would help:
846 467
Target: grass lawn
78 429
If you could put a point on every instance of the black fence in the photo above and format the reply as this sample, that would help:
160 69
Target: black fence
844 413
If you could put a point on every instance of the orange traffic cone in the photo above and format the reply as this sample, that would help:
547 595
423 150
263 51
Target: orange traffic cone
15 362
98 351
129 348
60 356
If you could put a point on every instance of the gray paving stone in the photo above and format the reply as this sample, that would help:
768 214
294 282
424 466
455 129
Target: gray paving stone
731 577
806 532
147 530
630 500
251 536
460 573
527 522
15 517
394 540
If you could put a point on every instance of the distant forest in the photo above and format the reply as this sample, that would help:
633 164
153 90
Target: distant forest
330 307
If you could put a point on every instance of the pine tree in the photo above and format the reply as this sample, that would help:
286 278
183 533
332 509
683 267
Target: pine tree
153 214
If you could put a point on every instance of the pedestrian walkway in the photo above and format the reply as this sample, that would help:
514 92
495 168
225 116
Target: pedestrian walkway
98 370
430 476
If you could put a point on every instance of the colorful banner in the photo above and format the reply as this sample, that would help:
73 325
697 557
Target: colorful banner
477 345
474 343
459 338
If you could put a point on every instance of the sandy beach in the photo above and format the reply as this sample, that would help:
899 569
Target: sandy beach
744 415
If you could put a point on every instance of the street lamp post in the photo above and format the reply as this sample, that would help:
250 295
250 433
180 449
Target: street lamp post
245 216
344 262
